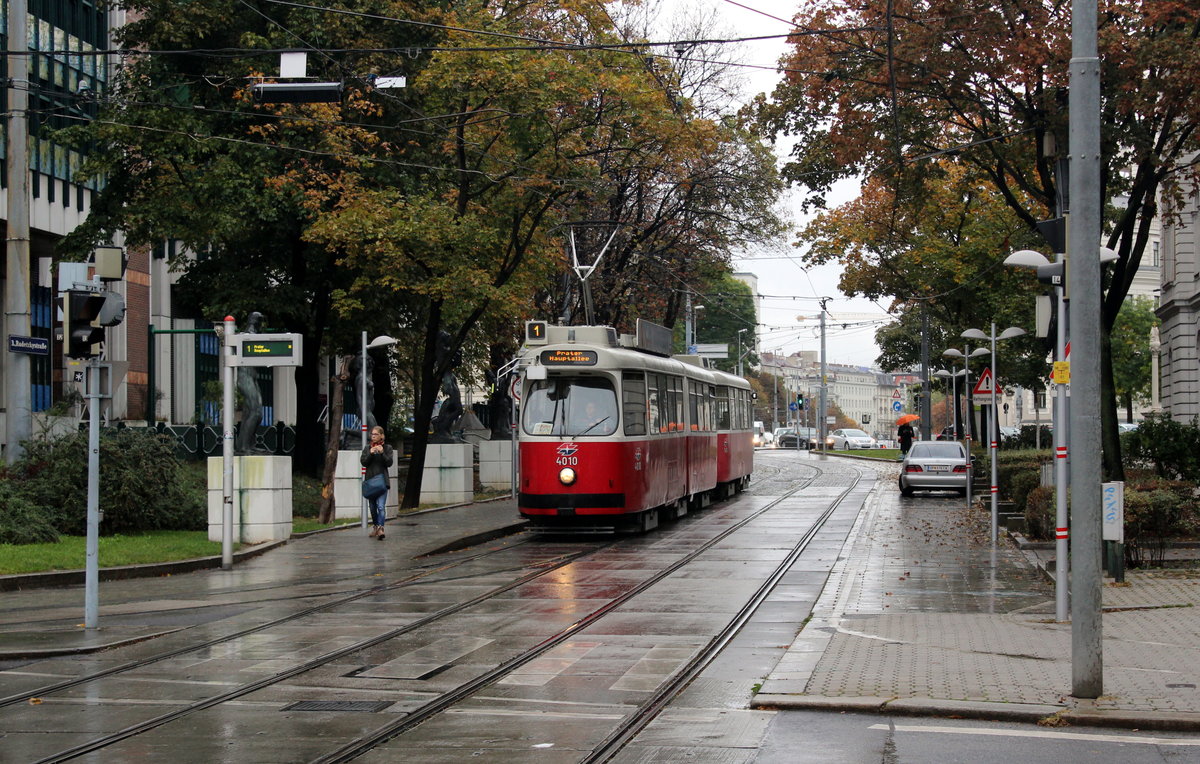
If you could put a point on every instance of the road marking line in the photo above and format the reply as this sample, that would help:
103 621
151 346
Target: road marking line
1046 734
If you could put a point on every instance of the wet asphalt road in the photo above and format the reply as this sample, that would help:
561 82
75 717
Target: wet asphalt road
560 704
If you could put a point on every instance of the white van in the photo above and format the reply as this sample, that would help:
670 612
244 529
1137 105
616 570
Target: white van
762 436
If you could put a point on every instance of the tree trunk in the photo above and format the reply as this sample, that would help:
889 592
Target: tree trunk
333 429
428 384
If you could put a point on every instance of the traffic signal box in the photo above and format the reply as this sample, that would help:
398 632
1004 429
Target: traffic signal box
800 401
85 314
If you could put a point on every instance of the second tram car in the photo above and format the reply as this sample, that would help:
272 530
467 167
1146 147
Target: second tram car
615 432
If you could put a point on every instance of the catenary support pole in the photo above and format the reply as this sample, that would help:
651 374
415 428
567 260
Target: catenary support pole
227 368
823 412
91 573
17 393
362 421
1061 527
1085 306
926 391
993 445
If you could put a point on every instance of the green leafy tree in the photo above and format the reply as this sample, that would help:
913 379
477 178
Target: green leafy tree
936 254
186 155
1131 353
728 318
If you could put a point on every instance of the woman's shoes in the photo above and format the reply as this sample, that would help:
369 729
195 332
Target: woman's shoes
382 536
375 531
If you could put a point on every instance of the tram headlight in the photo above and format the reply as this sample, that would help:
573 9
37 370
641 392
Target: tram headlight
566 476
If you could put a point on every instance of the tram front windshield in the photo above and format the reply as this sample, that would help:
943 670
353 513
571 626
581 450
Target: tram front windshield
571 407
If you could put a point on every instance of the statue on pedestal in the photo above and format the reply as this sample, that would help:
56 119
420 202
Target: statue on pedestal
452 407
247 386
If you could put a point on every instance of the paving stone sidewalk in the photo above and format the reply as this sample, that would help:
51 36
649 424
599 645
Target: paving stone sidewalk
921 617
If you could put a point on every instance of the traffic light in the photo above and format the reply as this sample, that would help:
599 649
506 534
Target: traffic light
800 401
85 314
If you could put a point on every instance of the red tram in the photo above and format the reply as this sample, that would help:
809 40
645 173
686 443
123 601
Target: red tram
615 432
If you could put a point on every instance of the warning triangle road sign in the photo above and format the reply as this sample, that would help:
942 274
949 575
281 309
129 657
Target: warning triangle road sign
984 385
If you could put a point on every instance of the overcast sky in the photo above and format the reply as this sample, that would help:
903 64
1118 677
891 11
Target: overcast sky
791 290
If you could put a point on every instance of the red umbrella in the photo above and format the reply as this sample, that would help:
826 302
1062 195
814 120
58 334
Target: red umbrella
907 418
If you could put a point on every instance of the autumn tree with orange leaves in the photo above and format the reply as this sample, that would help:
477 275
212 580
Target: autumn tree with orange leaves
882 89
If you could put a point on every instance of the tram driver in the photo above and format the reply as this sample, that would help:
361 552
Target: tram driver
591 419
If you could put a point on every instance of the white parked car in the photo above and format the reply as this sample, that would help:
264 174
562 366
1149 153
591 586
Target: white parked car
847 439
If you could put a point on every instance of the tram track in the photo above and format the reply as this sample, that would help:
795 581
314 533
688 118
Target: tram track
342 599
647 711
448 700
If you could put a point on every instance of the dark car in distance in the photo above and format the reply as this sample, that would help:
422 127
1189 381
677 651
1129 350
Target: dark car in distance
788 438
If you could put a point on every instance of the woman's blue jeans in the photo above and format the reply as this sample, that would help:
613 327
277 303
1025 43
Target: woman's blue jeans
378 507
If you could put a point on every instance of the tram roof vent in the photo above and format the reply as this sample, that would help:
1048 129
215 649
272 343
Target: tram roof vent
586 335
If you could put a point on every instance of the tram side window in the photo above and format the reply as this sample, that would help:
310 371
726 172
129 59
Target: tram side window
633 403
723 419
675 404
693 406
654 392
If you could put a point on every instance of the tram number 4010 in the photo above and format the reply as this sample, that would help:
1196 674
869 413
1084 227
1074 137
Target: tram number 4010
567 461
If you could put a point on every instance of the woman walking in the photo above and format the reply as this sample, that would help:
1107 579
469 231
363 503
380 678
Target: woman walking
377 458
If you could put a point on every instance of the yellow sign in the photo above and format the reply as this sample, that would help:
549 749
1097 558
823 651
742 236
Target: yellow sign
1062 373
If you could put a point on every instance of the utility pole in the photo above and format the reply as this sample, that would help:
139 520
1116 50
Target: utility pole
823 410
687 323
926 391
17 397
1087 675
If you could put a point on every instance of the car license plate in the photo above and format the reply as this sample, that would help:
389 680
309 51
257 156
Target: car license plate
939 468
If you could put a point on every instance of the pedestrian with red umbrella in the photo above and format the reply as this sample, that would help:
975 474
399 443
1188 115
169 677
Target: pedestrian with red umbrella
905 433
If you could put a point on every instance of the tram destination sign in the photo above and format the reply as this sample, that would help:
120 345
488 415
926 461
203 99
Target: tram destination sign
569 358
268 349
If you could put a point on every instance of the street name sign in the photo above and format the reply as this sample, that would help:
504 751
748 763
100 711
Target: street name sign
28 345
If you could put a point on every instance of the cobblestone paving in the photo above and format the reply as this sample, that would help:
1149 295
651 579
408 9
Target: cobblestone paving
924 608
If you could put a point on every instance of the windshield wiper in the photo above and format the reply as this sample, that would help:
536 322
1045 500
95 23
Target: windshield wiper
592 426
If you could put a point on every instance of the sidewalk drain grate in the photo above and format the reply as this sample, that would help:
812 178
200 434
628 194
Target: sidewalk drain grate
1182 686
363 706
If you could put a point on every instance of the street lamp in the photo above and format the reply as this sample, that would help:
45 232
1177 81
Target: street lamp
977 334
953 377
381 341
740 332
1054 274
966 355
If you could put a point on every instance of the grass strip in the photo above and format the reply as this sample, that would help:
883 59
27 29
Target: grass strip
70 552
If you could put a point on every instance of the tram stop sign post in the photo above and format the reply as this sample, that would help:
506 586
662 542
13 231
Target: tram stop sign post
245 349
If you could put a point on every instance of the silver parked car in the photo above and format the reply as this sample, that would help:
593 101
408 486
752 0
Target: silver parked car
847 438
934 465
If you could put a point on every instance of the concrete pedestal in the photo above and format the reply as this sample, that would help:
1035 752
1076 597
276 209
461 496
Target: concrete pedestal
348 502
262 498
495 464
449 475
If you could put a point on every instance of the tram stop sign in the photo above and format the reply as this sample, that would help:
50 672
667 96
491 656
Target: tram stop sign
268 349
